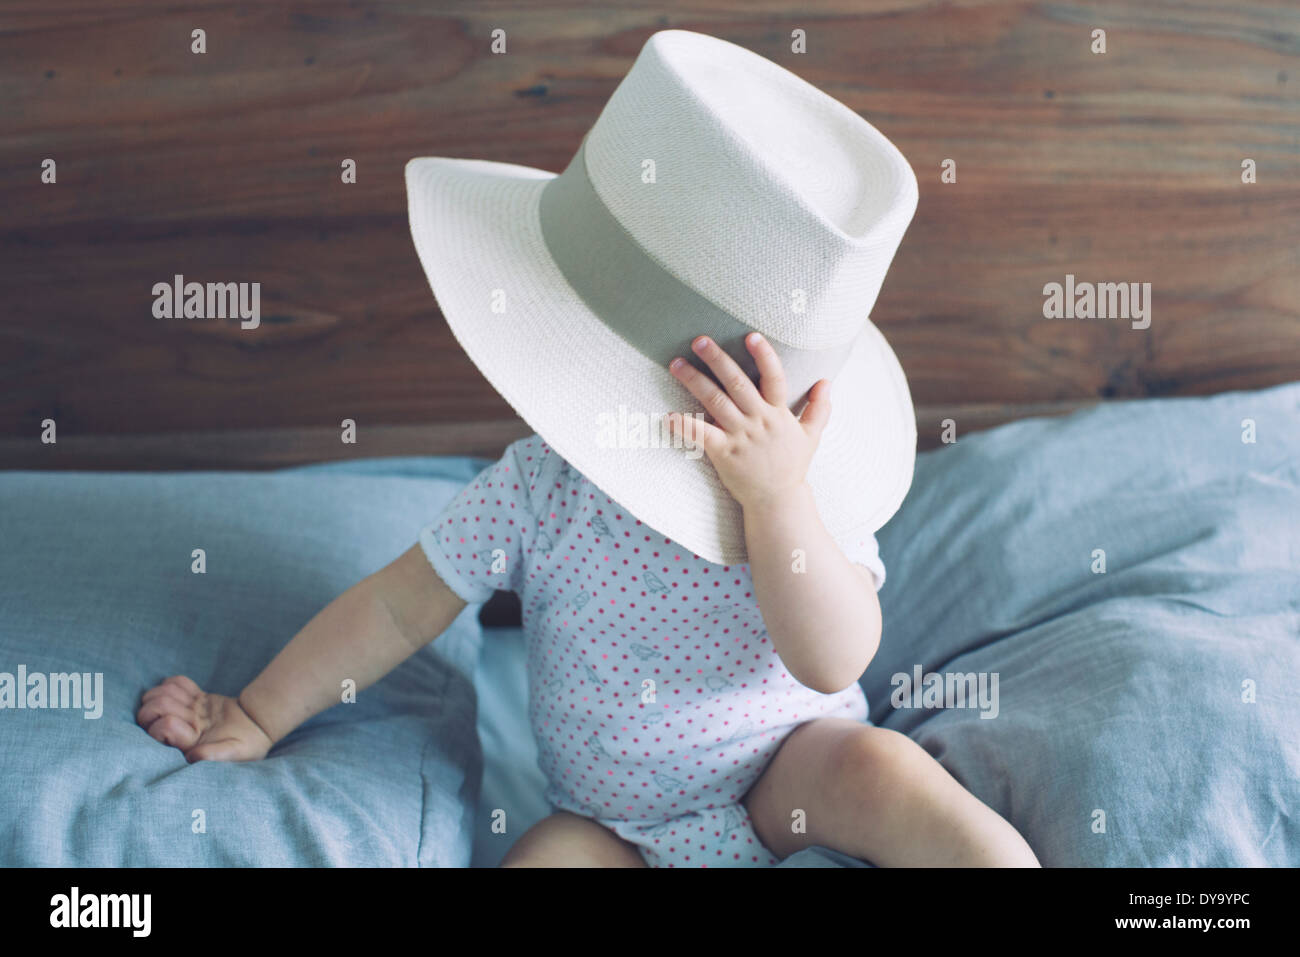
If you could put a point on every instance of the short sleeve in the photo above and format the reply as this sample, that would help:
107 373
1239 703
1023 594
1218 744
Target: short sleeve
480 542
863 549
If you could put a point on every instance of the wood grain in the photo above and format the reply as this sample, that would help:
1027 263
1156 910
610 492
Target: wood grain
280 448
224 167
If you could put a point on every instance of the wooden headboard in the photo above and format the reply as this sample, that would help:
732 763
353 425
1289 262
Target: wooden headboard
224 166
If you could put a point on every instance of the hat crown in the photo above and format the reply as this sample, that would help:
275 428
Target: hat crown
769 198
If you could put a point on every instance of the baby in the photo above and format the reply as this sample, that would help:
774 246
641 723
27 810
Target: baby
686 713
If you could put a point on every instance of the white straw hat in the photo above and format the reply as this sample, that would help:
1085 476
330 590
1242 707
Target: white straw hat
717 193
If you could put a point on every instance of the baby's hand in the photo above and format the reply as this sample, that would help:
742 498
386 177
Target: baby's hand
761 451
205 727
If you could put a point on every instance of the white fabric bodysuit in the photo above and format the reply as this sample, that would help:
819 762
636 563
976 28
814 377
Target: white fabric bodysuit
655 694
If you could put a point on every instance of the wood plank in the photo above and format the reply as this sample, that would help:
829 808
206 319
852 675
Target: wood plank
257 448
1122 167
280 448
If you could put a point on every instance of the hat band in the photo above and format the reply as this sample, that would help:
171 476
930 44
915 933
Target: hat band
640 300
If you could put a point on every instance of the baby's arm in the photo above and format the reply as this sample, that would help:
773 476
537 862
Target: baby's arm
361 635
825 623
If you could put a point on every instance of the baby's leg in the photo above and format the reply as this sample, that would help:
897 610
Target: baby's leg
568 840
877 795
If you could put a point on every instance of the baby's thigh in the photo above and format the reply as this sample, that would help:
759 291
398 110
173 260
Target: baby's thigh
567 840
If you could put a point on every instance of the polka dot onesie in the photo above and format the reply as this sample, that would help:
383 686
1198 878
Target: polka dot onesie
655 695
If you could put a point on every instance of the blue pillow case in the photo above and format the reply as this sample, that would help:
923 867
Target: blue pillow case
98 579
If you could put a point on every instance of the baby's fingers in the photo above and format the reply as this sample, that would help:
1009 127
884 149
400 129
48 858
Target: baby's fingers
169 715
170 693
185 684
170 728
696 433
771 380
717 402
818 410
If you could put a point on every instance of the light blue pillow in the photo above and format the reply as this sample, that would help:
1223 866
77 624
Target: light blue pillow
1147 714
96 572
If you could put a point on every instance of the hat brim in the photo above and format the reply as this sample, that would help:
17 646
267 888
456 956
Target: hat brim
478 237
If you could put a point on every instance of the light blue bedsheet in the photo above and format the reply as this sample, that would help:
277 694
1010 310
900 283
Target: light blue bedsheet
96 577
1147 715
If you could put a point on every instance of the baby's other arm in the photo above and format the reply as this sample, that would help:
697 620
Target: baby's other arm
361 635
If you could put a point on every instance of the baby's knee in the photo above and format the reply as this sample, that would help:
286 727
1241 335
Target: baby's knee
871 761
